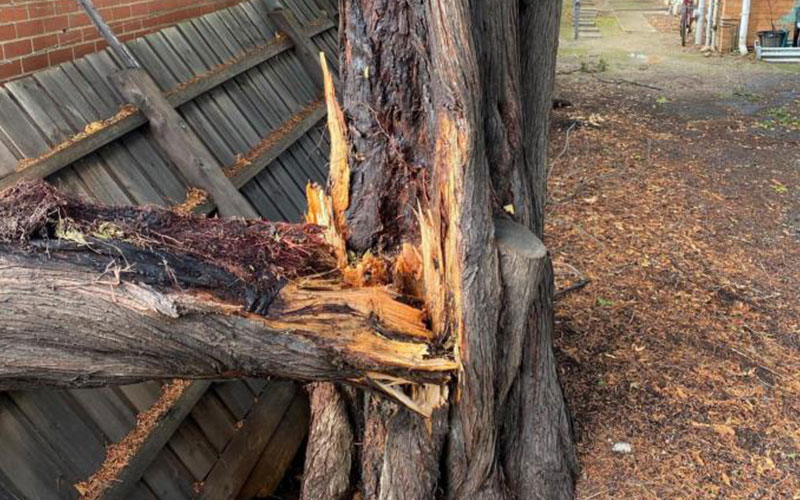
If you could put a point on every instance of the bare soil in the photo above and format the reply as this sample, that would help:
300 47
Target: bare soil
675 188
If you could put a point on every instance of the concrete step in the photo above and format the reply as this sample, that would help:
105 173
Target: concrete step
589 35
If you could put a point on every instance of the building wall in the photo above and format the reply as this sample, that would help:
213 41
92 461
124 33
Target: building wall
761 18
35 34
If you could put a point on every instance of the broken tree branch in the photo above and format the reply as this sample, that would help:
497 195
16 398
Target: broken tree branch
94 295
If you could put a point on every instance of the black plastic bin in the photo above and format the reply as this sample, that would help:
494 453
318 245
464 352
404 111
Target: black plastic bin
773 38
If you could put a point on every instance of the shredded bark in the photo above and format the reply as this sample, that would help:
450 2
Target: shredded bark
279 37
259 255
243 161
195 197
119 455
90 129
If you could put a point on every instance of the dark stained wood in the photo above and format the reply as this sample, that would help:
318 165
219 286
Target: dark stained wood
154 443
277 456
233 468
181 144
214 421
35 475
303 45
75 444
193 449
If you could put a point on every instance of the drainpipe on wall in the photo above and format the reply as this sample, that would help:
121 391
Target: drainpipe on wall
715 27
698 31
709 22
743 24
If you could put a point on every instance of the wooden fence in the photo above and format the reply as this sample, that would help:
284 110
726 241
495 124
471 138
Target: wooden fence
247 90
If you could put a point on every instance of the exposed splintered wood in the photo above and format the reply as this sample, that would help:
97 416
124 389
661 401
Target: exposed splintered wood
95 295
442 133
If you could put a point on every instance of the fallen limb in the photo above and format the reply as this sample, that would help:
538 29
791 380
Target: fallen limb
90 299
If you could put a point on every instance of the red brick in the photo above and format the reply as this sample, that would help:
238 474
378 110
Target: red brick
79 19
7 32
83 49
123 12
10 69
100 45
106 14
89 33
66 6
59 56
58 23
18 48
11 14
42 42
30 28
131 26
33 63
150 22
42 9
140 9
70 37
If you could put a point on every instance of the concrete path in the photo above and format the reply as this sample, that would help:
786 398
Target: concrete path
631 14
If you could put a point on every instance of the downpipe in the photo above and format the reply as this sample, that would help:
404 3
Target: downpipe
698 31
743 25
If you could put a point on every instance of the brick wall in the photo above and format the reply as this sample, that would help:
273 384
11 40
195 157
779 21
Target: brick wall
35 34
761 17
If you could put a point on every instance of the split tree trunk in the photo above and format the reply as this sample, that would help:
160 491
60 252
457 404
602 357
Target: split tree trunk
447 114
437 295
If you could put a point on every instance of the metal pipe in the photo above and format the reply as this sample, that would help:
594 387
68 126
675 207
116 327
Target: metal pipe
698 30
743 25
715 25
120 50
709 22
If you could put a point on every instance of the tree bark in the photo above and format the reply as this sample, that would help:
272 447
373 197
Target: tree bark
98 295
437 295
66 324
447 113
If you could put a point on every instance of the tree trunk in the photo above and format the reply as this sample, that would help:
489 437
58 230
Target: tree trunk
447 113
427 287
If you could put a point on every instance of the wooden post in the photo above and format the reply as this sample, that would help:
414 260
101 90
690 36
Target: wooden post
303 45
180 143
173 134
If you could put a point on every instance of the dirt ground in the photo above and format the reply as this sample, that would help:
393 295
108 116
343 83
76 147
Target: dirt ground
675 189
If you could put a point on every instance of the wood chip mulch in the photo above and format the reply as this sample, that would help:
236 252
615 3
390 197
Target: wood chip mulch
686 342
